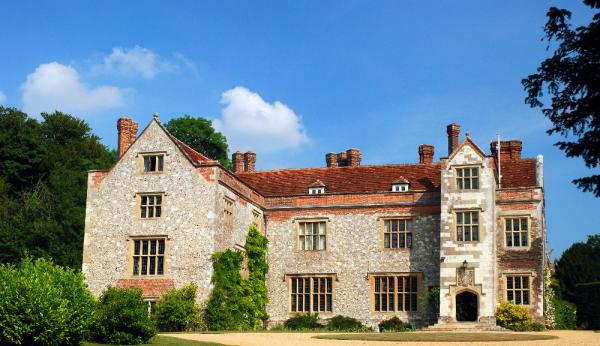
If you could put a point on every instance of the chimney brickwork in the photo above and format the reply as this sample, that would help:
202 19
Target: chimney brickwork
350 157
426 152
127 132
453 131
331 160
354 157
249 161
509 150
237 159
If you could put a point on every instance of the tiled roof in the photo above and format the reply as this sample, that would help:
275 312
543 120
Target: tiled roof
518 173
358 179
193 154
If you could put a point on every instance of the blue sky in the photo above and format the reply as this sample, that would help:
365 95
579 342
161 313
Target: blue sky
293 80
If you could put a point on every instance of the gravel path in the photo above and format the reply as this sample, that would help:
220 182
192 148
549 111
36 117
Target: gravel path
565 337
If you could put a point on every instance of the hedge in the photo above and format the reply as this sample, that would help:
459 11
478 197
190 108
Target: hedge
588 305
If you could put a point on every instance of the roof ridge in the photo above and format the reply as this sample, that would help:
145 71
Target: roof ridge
344 167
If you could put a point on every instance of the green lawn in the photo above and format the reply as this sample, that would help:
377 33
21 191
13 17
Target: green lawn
167 341
437 336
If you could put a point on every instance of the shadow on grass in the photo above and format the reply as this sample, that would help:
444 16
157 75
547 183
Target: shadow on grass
438 337
167 341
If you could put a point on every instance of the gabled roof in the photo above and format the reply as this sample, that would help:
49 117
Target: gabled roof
467 141
317 183
400 180
353 179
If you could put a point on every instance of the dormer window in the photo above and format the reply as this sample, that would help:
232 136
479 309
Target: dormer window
399 187
316 190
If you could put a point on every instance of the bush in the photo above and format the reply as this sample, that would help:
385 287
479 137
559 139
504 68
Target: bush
588 305
303 321
343 323
513 317
394 324
516 318
564 314
122 318
43 304
176 311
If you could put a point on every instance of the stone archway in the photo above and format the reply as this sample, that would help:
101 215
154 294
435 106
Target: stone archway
466 307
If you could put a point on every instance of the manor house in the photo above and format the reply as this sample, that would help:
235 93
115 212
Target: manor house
365 241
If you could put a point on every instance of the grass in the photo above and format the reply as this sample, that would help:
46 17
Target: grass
437 337
168 341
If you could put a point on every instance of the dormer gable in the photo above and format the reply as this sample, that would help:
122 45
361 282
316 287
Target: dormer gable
467 148
316 188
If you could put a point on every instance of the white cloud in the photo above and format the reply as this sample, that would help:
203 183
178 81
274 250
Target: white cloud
2 97
54 86
251 123
134 61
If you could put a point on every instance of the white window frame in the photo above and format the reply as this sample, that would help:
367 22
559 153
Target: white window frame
316 190
399 187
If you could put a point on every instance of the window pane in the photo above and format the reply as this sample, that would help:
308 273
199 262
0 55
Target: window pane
152 265
144 247
524 239
525 282
475 216
475 233
524 224
526 297
475 183
508 239
153 247
160 266
136 264
158 211
459 218
459 233
508 223
459 172
161 247
136 247
394 226
509 282
144 265
467 184
160 163
322 242
394 240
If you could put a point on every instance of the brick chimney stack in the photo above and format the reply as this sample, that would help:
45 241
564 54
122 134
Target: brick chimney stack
426 152
331 159
353 157
127 133
238 162
453 131
249 161
509 150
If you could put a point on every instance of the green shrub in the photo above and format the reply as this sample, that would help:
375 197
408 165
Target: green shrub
564 314
536 326
513 317
588 305
122 318
43 304
177 311
303 321
394 324
344 323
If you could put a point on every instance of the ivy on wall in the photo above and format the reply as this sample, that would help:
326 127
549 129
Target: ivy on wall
236 303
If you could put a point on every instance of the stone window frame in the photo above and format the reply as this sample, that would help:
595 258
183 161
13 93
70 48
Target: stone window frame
256 219
138 205
300 221
529 214
503 227
141 166
480 225
419 280
529 274
228 213
471 179
312 276
382 221
454 175
130 254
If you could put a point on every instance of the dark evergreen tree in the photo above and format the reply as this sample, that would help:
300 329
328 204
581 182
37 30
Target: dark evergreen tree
571 79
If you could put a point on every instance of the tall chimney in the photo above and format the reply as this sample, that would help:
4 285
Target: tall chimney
127 133
331 159
509 150
238 162
353 156
453 131
426 153
249 161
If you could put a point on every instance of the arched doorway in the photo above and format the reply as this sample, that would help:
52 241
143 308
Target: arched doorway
466 306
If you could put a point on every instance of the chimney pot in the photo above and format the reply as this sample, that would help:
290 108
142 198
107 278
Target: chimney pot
426 152
331 159
127 132
249 161
353 157
237 159
453 131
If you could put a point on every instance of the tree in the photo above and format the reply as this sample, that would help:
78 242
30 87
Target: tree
571 77
578 264
199 134
43 179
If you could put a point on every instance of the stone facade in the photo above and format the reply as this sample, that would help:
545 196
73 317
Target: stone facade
207 208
